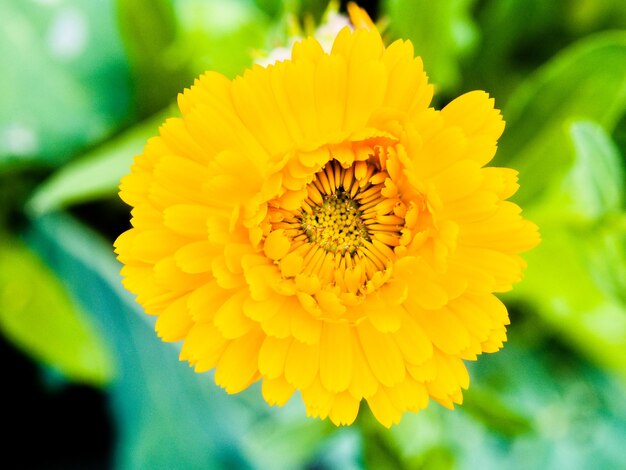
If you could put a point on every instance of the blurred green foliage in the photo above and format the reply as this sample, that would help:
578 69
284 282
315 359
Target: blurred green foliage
64 80
37 313
441 32
85 83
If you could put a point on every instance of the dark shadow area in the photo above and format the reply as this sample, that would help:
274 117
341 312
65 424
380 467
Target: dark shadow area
51 424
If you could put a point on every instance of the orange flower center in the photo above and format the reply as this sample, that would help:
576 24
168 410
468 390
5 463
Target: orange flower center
336 224
346 228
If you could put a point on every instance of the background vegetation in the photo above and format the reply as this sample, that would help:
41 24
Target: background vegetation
85 82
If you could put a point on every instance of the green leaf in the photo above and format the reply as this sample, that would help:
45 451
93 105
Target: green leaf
220 36
509 28
606 258
38 316
289 442
97 174
164 412
341 451
587 81
576 277
65 80
149 30
441 31
560 284
575 410
591 192
588 15
421 440
314 7
596 182
276 8
564 414
501 418
273 8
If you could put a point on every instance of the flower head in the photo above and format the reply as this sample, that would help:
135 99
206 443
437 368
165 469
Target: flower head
317 226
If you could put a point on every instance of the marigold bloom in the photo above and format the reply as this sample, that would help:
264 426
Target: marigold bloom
317 226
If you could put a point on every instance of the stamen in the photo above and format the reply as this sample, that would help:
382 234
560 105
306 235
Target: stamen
348 179
330 174
338 172
336 224
346 230
323 179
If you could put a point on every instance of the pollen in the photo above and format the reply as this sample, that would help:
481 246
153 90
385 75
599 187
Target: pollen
336 224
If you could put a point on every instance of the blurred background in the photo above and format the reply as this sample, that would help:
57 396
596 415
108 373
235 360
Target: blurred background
84 83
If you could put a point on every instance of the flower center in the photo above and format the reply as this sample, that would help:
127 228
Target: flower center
348 228
336 225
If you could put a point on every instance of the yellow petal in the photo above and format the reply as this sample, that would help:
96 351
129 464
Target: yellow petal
415 345
276 245
383 409
504 231
291 264
317 399
169 275
506 269
330 304
237 367
383 316
139 280
359 17
344 409
304 327
179 180
205 300
425 372
210 86
276 391
175 321
444 330
187 219
262 310
472 208
425 293
148 217
493 306
336 356
229 318
364 96
408 85
203 346
272 356
175 135
382 354
302 364
364 384
196 257
330 94
445 387
279 325
458 180
255 104
474 112
308 50
225 278
151 246
408 395
299 87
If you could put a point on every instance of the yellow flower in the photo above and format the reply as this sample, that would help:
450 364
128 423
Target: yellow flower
317 226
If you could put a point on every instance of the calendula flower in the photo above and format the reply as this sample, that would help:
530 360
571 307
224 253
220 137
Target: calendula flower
316 225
